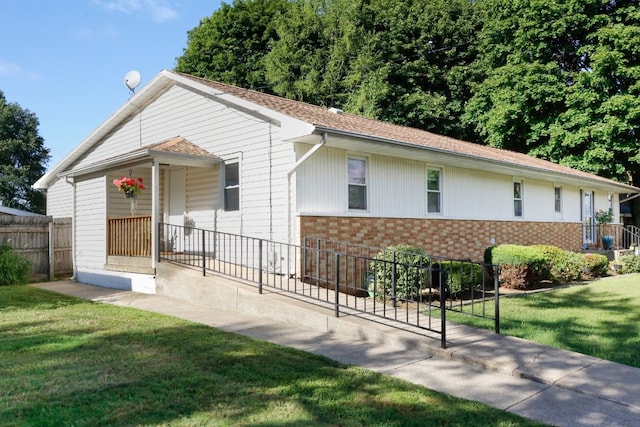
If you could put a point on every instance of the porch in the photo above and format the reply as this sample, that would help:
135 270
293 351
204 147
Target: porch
129 245
168 171
610 237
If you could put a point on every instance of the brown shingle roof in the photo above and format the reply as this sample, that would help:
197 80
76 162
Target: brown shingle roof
179 145
357 125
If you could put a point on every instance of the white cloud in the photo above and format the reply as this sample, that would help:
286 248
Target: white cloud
156 10
9 69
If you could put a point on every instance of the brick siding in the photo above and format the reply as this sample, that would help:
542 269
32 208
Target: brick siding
460 239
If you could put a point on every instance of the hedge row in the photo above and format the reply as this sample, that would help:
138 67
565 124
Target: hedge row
522 267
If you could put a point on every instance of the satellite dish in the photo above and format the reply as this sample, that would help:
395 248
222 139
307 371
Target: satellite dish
132 80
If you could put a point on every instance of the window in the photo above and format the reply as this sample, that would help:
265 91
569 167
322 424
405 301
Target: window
558 199
434 198
610 199
231 187
517 198
357 183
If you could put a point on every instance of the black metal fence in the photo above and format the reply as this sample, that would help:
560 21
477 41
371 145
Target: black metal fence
395 286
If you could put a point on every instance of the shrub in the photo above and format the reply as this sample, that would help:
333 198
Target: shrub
562 266
596 265
521 266
411 269
14 269
461 276
630 264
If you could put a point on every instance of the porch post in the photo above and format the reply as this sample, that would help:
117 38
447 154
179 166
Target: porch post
155 200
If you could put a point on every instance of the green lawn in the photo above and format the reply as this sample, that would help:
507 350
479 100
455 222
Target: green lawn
601 318
65 361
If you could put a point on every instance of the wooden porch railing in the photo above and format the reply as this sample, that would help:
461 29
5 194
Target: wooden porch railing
130 236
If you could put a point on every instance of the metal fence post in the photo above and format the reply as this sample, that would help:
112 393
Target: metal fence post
496 296
215 244
260 266
337 285
160 239
443 309
204 255
318 265
393 279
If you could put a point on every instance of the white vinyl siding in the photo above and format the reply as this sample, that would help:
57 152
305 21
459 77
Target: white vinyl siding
203 197
91 223
228 133
398 188
59 197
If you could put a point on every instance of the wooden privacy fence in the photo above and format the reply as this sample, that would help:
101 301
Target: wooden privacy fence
44 241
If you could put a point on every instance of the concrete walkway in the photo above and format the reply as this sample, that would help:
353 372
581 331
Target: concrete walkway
553 386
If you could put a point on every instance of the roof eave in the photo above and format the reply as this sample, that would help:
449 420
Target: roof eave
159 157
515 168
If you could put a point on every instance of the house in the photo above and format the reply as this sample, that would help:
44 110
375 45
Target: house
17 212
218 157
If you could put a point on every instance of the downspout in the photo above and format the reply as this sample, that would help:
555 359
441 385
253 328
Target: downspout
73 226
300 161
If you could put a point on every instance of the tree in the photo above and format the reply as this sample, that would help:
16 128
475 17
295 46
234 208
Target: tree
317 42
229 46
561 81
395 60
23 158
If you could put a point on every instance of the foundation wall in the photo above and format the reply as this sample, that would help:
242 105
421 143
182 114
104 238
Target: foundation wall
457 239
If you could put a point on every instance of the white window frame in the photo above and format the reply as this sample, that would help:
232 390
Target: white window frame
226 187
438 191
365 185
516 199
557 201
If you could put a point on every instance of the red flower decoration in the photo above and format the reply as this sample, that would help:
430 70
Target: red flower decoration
129 186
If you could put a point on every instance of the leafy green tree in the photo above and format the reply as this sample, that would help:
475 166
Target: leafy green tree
560 80
23 158
230 45
396 60
425 47
317 42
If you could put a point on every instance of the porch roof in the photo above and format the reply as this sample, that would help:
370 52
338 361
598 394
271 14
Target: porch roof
176 151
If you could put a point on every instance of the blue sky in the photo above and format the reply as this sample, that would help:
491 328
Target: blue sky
66 60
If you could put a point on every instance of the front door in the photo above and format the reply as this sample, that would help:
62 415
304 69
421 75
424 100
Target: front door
177 205
589 226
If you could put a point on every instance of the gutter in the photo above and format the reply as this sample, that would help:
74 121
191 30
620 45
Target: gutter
594 179
300 161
